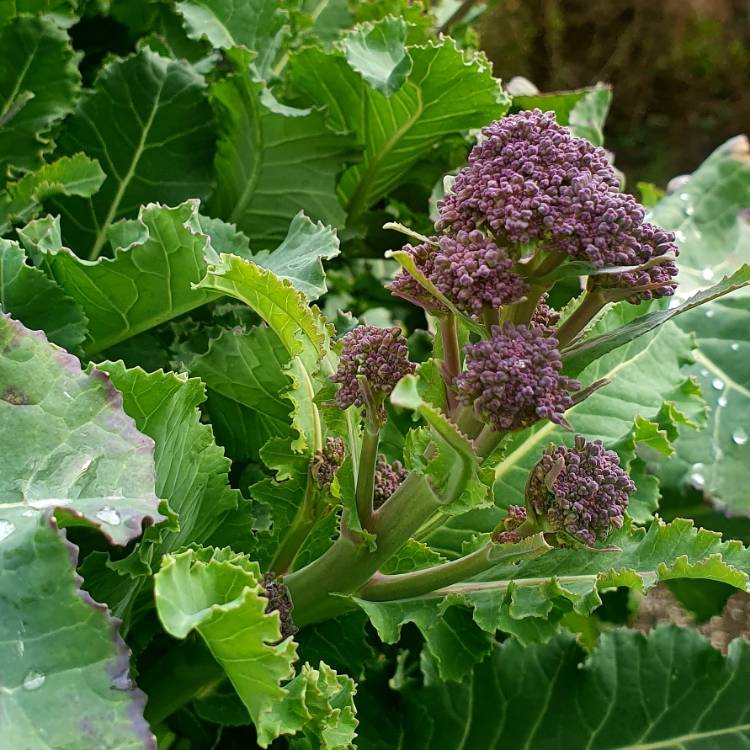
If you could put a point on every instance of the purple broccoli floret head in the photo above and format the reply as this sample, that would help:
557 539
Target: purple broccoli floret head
381 355
580 490
532 181
474 273
388 478
513 379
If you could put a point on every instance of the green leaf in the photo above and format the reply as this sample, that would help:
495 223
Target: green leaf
443 94
578 357
378 53
248 369
191 470
527 600
79 454
61 11
668 690
299 257
71 175
68 449
258 25
703 215
712 242
39 83
414 555
146 283
584 110
37 301
219 594
714 460
64 661
272 161
146 118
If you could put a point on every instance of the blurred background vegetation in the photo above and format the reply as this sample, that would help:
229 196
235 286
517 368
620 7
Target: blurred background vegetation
679 68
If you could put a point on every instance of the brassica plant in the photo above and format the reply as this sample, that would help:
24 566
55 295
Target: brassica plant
343 396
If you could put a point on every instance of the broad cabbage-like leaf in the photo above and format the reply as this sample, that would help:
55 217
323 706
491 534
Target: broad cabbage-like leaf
69 449
669 689
148 123
22 200
258 25
219 594
39 83
443 94
272 161
37 301
147 282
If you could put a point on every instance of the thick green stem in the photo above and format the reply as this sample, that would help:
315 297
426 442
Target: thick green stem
467 421
177 677
487 441
590 305
524 311
348 563
388 587
451 365
303 522
368 457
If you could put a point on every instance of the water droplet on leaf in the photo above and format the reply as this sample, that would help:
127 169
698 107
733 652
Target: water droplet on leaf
109 515
708 274
696 478
739 436
723 401
735 347
709 313
33 680
684 196
679 236
6 529
717 384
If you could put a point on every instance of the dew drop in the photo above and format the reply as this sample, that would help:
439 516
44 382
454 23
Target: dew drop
709 313
33 680
735 347
109 515
717 384
679 236
6 529
704 372
708 274
739 436
684 196
723 401
696 478
689 211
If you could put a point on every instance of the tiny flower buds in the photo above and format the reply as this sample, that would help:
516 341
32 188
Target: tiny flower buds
388 478
581 491
513 379
279 601
380 355
327 462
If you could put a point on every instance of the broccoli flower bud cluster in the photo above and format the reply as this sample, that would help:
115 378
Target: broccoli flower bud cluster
279 601
380 355
582 490
468 268
327 462
513 379
530 181
473 273
509 533
388 478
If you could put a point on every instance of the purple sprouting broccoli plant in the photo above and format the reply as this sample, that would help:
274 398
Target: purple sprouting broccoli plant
513 379
388 478
372 361
580 491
